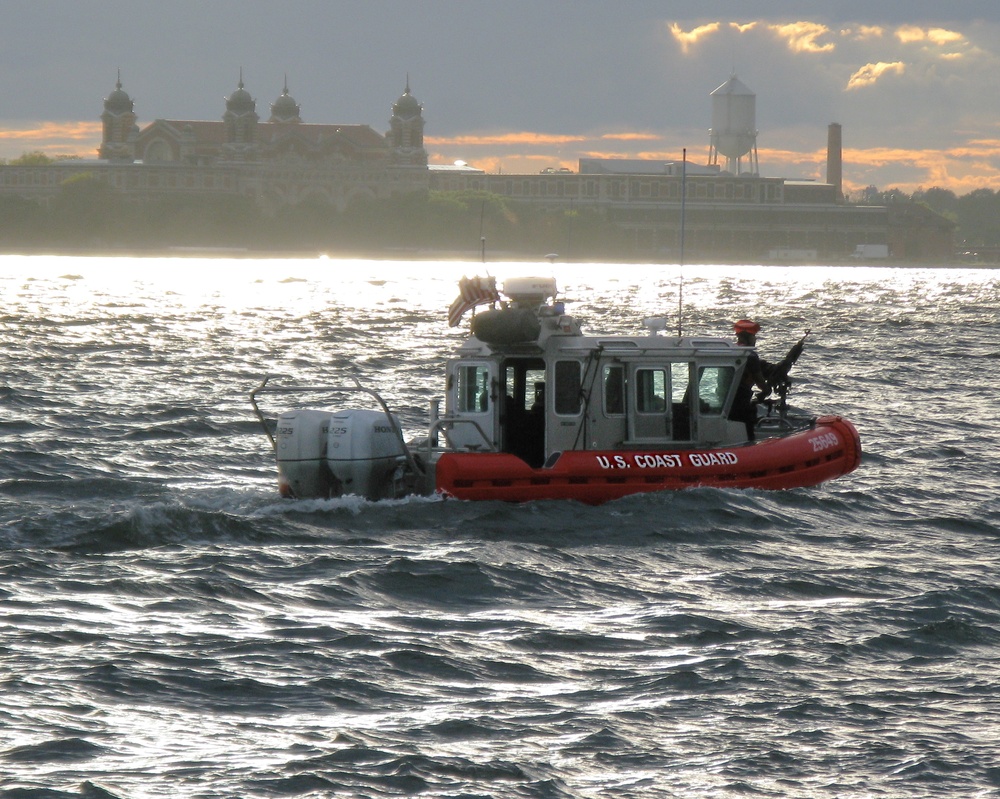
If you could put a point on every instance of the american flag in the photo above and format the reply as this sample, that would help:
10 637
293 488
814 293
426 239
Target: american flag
472 291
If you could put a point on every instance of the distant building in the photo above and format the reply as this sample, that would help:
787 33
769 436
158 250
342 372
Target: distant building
282 161
643 166
729 214
120 130
726 216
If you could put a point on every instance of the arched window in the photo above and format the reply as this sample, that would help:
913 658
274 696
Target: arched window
158 151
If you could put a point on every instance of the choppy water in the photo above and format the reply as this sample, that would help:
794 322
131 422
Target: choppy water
170 628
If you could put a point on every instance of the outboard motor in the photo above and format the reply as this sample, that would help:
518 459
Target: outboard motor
300 448
363 451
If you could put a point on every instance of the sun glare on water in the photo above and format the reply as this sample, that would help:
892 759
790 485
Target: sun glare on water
302 286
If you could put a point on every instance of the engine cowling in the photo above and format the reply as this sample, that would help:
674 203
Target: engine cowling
300 449
363 451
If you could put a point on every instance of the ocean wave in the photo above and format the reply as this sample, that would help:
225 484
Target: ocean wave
171 624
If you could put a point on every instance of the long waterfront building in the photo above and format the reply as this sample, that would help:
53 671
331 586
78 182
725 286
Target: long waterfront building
285 161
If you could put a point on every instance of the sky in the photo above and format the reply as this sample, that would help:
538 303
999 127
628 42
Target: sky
518 86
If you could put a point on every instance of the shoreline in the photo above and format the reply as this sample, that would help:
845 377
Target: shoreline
407 254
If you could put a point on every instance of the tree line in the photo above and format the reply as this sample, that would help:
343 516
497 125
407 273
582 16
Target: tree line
976 214
88 213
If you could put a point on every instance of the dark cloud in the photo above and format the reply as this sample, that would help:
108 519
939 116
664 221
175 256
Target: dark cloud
579 68
475 61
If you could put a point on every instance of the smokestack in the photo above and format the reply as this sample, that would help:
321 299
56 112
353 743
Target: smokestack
835 160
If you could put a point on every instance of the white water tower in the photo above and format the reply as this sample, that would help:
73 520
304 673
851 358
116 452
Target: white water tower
734 127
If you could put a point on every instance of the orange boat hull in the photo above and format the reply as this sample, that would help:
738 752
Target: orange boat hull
830 449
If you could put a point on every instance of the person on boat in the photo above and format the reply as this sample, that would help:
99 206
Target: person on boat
744 408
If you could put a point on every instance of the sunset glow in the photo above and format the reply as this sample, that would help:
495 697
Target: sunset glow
52 138
962 167
804 37
912 33
870 73
910 94
691 37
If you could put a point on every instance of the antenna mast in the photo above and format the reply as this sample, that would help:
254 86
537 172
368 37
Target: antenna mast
482 236
680 287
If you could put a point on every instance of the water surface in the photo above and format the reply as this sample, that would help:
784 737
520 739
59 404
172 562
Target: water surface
170 627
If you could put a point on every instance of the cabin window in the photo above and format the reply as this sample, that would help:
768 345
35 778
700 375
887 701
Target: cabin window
473 388
714 383
524 384
568 397
680 382
614 390
535 393
651 390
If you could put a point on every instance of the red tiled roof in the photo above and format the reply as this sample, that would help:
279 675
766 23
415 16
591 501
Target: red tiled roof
212 132
316 134
204 130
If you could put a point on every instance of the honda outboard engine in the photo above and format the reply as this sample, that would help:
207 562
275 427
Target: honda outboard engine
363 452
322 454
300 448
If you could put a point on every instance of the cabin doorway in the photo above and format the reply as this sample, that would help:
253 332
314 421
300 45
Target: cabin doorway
522 413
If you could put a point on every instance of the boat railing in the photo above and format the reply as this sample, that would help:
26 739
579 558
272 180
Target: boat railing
775 425
357 388
443 426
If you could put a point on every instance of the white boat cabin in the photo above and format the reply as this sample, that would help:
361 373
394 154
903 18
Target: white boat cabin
529 383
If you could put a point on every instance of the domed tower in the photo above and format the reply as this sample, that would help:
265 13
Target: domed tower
406 131
285 109
733 132
240 122
120 130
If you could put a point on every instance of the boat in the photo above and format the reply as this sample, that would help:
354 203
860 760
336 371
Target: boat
534 409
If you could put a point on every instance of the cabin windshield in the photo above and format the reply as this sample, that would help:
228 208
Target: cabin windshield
714 383
646 399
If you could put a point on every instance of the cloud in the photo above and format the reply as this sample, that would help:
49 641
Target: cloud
978 148
802 37
688 38
870 73
864 33
630 137
53 131
743 27
908 34
52 138
962 168
504 139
